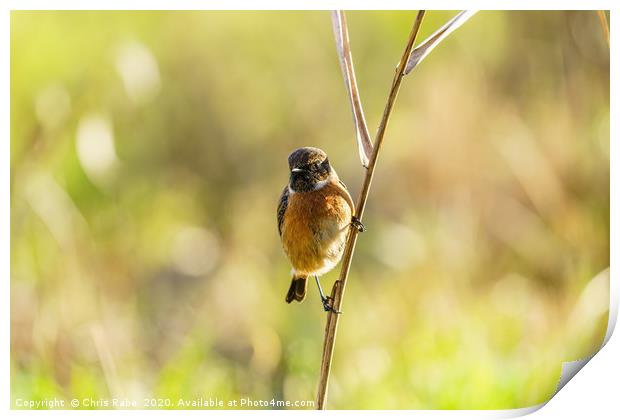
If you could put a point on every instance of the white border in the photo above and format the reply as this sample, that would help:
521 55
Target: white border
595 391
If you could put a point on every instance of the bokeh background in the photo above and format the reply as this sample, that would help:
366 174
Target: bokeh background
148 152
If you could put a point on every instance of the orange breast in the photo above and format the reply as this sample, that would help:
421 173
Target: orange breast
315 228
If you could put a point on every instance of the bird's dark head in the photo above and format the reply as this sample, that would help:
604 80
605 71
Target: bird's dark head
309 169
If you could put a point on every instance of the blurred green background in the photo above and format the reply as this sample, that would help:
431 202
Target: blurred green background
148 152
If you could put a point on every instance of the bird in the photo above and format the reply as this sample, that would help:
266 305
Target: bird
314 214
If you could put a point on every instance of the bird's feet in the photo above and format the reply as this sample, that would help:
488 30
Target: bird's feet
327 305
357 224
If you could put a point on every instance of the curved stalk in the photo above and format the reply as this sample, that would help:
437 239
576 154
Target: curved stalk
338 289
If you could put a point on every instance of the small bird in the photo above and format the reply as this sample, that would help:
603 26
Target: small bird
314 215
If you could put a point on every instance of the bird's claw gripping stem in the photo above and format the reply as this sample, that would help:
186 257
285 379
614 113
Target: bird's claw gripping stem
328 307
357 224
325 299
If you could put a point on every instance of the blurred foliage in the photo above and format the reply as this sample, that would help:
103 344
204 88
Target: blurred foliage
148 152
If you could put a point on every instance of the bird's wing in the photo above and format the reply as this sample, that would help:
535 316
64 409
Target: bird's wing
282 208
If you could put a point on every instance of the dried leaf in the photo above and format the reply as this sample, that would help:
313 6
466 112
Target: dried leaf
341 34
421 51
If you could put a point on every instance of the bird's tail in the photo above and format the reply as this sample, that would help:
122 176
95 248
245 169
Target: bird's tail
297 291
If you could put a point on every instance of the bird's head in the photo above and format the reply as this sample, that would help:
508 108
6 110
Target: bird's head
310 169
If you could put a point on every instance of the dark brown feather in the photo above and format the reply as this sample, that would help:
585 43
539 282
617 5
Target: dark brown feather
282 205
297 291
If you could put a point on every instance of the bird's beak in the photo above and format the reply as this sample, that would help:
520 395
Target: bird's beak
296 170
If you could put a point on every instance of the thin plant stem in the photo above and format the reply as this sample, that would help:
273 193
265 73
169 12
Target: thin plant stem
604 25
339 286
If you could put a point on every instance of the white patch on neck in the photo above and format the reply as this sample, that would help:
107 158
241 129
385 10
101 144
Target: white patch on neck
332 177
318 185
321 184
